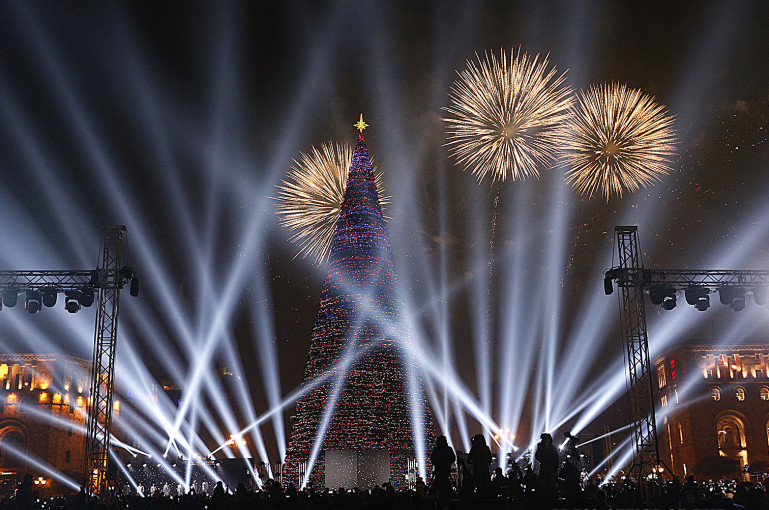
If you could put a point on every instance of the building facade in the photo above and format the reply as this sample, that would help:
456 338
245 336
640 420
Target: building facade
713 400
43 401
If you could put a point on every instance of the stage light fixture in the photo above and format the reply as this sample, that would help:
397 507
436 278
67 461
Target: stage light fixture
608 287
49 296
657 294
95 279
732 296
663 295
697 296
33 301
11 297
86 297
760 295
72 301
134 286
126 273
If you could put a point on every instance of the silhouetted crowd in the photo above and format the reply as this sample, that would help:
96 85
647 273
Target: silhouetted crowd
557 484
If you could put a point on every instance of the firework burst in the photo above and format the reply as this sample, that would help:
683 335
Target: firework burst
310 198
507 117
619 139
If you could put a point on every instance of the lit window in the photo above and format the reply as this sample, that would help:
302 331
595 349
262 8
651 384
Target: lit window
680 433
740 394
661 376
664 400
731 433
763 393
715 393
676 392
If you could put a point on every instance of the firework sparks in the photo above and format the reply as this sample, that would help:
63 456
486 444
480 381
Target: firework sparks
310 198
619 139
507 117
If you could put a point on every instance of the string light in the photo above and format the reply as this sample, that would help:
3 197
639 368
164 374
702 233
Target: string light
372 411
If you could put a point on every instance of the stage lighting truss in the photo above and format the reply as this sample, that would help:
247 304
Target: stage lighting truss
40 288
80 288
665 285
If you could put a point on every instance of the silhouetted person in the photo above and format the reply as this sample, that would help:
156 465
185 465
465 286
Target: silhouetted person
572 453
467 484
530 480
442 459
218 497
24 499
500 485
547 455
480 459
570 476
515 479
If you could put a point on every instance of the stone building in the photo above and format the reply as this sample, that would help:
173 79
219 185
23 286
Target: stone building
714 400
43 401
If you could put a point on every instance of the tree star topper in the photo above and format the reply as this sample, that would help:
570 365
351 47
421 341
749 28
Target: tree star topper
360 124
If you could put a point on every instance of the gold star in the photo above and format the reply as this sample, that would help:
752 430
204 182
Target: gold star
360 124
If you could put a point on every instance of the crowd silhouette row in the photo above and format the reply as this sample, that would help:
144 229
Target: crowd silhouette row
558 483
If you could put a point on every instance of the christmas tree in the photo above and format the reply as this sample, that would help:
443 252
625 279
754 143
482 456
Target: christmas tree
359 316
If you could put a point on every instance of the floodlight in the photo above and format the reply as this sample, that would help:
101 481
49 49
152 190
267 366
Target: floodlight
72 301
95 280
134 286
697 296
669 301
732 296
33 301
126 273
760 295
657 294
608 288
663 295
86 297
11 297
49 296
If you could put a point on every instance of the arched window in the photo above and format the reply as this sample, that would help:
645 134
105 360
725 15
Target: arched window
763 393
740 393
715 393
731 433
13 447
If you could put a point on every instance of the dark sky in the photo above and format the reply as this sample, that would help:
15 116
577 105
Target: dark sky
179 118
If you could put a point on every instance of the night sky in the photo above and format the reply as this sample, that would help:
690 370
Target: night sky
178 119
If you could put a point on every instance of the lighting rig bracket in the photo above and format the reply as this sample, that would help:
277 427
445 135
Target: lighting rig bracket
663 287
83 288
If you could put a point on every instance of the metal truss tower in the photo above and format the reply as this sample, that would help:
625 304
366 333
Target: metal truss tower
663 286
42 287
103 367
633 323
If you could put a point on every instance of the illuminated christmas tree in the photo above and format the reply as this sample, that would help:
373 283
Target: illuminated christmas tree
359 321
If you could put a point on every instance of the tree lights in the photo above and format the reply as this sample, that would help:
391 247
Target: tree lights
371 408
